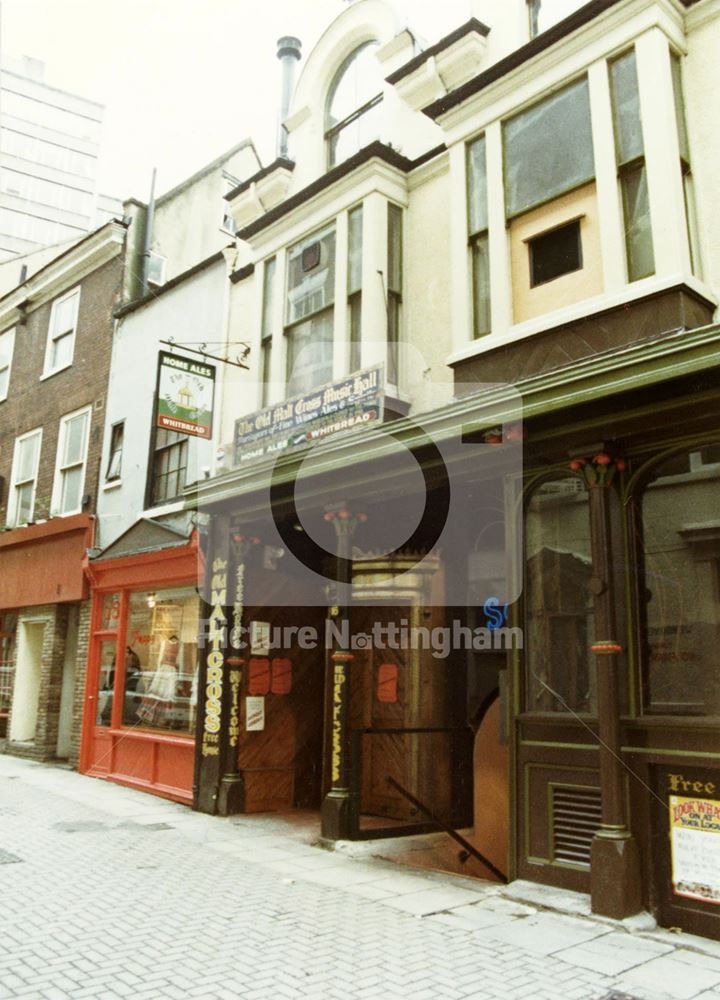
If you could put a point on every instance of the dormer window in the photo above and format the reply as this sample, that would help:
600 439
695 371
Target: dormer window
351 117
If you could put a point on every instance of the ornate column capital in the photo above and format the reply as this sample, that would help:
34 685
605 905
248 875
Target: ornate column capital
598 470
344 520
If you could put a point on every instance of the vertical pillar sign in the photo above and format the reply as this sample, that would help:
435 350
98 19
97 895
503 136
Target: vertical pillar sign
336 811
210 741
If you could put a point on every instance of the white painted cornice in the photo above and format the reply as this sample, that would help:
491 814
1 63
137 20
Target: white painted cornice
373 175
702 14
63 272
260 196
607 34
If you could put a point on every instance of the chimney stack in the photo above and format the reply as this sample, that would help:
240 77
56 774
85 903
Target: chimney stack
288 52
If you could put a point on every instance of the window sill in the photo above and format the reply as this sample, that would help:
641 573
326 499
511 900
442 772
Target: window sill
55 371
169 508
577 311
114 484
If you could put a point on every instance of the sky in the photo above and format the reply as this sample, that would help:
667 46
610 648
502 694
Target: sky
181 80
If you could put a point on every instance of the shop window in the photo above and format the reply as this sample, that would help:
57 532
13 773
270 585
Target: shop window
354 281
61 333
353 105
114 466
7 344
545 13
478 235
630 158
555 253
160 660
548 149
680 589
26 460
266 329
309 314
70 465
558 601
169 468
394 292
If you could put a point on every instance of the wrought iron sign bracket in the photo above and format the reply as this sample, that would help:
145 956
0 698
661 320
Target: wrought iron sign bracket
192 348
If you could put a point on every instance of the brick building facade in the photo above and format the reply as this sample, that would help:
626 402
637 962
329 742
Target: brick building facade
56 340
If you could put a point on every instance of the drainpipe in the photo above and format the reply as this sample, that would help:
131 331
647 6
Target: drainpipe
288 52
147 242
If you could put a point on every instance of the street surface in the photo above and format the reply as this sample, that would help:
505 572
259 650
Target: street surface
110 893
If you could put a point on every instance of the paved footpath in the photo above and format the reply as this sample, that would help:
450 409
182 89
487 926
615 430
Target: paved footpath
110 893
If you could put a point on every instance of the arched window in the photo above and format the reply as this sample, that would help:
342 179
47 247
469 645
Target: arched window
559 618
545 13
680 587
352 112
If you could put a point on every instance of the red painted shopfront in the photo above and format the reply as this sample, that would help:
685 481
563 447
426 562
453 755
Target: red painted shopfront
141 691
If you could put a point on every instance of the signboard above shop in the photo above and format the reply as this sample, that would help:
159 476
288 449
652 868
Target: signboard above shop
347 404
185 395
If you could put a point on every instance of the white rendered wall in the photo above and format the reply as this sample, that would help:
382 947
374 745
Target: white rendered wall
192 311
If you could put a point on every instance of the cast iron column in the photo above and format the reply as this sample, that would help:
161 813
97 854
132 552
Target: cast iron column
336 820
615 886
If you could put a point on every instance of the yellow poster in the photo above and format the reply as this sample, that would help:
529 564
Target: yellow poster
695 844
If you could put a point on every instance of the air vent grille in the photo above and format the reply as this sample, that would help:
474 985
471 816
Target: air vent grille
576 817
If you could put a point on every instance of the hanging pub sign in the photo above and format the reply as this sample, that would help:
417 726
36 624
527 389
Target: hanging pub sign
695 838
351 402
185 395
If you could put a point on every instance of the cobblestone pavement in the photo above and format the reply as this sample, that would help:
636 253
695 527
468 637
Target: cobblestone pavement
110 893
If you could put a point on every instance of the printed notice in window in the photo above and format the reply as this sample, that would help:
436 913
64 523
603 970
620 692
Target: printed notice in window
695 841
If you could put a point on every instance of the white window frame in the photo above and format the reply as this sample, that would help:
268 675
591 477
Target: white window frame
57 478
162 265
10 334
51 338
12 498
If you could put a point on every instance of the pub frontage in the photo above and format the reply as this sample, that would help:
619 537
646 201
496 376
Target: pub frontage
585 755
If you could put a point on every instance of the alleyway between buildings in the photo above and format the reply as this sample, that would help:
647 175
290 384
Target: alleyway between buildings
110 893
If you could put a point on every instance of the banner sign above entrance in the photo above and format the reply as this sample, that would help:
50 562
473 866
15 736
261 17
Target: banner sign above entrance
330 409
185 395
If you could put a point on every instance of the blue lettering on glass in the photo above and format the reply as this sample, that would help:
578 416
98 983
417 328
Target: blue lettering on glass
496 616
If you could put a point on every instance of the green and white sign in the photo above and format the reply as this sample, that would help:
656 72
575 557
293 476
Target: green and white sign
185 395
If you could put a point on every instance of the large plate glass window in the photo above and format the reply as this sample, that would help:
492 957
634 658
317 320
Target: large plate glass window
558 602
548 149
160 658
680 586
354 280
684 144
266 329
478 235
352 115
70 468
394 291
309 315
630 158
